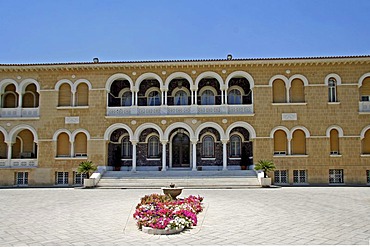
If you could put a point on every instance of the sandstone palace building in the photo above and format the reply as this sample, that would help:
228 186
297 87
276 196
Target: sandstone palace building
310 116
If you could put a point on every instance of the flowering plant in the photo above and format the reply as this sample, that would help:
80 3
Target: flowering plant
161 212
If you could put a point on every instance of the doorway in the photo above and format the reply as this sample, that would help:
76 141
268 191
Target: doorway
180 150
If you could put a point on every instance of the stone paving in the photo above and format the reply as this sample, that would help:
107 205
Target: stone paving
288 216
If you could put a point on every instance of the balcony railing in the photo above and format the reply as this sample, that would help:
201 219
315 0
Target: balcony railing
14 163
19 112
364 106
179 110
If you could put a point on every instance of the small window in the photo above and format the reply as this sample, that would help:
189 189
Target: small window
154 98
235 97
334 142
336 176
126 99
153 147
299 176
61 178
281 176
235 146
126 148
332 84
208 147
181 98
365 98
208 98
78 178
21 178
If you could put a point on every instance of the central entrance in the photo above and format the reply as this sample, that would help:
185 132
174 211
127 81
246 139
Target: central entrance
180 150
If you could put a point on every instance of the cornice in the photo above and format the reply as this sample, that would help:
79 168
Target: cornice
181 64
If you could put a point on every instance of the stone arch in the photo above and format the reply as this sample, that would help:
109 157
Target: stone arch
146 126
240 74
300 77
210 125
362 135
208 74
145 76
304 129
178 125
115 126
117 76
77 131
281 77
4 83
245 125
60 131
60 82
176 75
338 128
283 128
14 132
23 85
362 78
79 81
335 76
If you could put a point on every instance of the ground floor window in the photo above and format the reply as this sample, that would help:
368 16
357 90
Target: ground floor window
78 178
61 178
336 176
299 176
281 176
21 178
368 176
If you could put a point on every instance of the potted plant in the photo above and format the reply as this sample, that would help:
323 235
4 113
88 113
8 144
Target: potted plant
87 167
265 166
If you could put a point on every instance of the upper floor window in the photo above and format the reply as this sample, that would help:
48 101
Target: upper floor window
208 98
299 142
153 147
181 98
366 143
279 91
334 142
235 97
126 98
208 147
154 98
332 84
297 91
365 90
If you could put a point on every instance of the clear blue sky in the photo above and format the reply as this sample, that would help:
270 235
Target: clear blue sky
43 31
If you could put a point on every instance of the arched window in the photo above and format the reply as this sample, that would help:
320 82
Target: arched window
366 143
280 143
208 98
332 86
30 97
126 99
65 95
299 142
235 146
297 91
279 91
153 147
365 90
154 98
208 147
334 142
10 97
126 148
235 97
63 145
82 95
80 145
181 98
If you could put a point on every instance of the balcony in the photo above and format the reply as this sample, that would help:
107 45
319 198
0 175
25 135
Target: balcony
364 106
128 111
19 112
21 163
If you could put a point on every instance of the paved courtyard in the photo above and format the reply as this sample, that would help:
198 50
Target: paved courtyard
289 216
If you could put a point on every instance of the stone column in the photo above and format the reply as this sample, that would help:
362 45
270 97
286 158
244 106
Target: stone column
164 143
72 151
289 146
134 143
224 154
222 97
9 144
194 143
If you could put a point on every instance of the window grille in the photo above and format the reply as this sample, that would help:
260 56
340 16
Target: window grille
281 176
336 176
299 176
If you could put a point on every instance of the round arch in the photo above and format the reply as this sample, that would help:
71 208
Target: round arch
23 85
281 77
148 76
4 83
283 128
240 74
77 131
362 135
304 129
60 82
178 75
15 131
116 126
362 78
208 74
300 77
146 126
335 76
336 127
244 125
79 81
117 76
178 125
210 125
60 131
5 133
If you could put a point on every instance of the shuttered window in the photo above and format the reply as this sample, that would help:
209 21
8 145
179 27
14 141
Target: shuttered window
366 143
80 145
63 145
297 91
65 95
280 142
82 95
299 142
334 141
365 90
279 91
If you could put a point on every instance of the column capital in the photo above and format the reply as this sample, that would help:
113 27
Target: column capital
224 141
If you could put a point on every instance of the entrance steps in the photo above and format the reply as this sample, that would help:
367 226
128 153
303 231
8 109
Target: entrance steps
181 178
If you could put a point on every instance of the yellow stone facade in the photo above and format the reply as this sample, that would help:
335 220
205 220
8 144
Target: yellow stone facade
314 116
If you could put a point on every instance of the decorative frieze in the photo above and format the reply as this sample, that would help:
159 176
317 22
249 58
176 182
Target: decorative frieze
289 116
72 120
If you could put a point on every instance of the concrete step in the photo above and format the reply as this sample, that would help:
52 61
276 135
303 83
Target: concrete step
187 179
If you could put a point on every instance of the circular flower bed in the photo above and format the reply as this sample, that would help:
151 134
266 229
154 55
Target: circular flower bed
161 212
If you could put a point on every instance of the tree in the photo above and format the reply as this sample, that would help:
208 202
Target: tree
86 167
265 165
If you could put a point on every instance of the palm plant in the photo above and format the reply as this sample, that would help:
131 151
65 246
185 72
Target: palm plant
86 167
266 166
